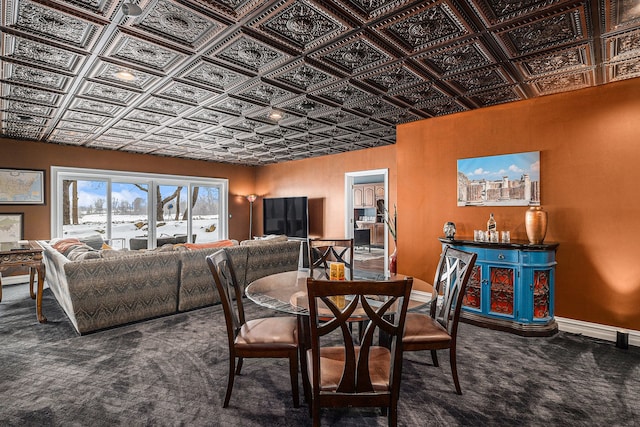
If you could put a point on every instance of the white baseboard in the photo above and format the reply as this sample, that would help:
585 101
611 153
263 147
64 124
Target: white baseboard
596 330
14 280
588 329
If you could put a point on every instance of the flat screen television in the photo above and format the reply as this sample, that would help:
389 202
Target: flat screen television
286 215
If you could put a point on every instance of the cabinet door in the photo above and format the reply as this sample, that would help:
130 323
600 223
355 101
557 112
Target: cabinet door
473 294
358 196
537 290
369 196
379 234
379 191
501 289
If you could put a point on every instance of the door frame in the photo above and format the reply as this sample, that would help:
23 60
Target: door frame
349 220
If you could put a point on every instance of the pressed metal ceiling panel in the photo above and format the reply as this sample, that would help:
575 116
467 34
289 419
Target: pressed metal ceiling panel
202 80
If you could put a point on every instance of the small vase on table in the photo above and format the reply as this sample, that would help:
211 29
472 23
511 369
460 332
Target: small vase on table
393 261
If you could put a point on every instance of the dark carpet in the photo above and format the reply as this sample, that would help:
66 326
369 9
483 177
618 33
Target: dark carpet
173 370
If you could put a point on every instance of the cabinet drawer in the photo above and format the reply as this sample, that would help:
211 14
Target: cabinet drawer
535 257
499 255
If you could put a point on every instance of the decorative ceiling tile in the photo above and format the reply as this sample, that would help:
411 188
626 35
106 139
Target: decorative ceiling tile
624 69
398 116
144 53
26 118
562 83
367 10
107 93
91 106
425 25
78 116
77 127
303 106
24 107
354 54
135 126
186 93
623 46
448 106
209 116
302 76
342 92
420 95
264 93
498 11
339 116
55 25
456 59
177 23
497 96
109 143
69 137
216 76
555 31
300 23
22 93
621 14
558 61
150 117
191 125
232 106
104 8
481 79
249 53
37 77
122 134
106 72
21 130
164 106
36 53
392 79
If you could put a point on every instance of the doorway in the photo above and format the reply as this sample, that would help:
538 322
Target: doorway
370 255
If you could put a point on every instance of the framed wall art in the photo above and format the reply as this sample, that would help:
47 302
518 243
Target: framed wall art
11 227
21 187
505 180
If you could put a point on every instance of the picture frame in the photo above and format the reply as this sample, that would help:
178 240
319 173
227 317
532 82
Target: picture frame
22 187
11 227
503 180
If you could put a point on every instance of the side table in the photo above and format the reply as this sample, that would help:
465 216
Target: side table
25 254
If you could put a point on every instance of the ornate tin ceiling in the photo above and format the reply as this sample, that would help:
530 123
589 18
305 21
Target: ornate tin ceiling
207 75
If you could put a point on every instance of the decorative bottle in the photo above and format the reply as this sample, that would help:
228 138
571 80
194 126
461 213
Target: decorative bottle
491 224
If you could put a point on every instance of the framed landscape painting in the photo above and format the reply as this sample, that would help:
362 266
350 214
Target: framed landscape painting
11 227
21 187
505 180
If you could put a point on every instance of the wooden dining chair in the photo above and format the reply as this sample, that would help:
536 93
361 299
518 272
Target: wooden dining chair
270 337
322 252
346 370
439 329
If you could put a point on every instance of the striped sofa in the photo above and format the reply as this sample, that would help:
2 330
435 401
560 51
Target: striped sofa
110 291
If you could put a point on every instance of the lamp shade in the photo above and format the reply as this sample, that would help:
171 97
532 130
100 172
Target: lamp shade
252 198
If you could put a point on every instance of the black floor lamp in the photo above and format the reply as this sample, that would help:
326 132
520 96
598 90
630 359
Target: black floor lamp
251 198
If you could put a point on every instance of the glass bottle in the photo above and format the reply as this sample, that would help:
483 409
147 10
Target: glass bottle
491 224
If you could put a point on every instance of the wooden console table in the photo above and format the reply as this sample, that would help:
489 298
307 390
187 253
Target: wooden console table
27 254
511 287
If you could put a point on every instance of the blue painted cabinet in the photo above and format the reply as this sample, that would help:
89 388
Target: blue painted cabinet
512 286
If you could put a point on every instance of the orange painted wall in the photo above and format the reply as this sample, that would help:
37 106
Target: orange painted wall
322 181
34 155
590 170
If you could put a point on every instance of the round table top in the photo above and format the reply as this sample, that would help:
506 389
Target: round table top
287 292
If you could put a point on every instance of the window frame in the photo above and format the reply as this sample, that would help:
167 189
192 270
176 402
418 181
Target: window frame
152 180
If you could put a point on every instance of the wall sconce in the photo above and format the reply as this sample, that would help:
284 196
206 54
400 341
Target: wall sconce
251 198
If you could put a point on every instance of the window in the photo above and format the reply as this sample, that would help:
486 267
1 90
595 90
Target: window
122 206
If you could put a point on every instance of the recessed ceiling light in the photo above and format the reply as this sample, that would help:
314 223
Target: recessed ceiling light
275 115
125 75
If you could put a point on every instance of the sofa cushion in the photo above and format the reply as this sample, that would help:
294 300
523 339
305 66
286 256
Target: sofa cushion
82 252
208 245
65 245
94 241
267 240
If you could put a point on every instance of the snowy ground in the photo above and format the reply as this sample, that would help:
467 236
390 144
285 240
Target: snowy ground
128 226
